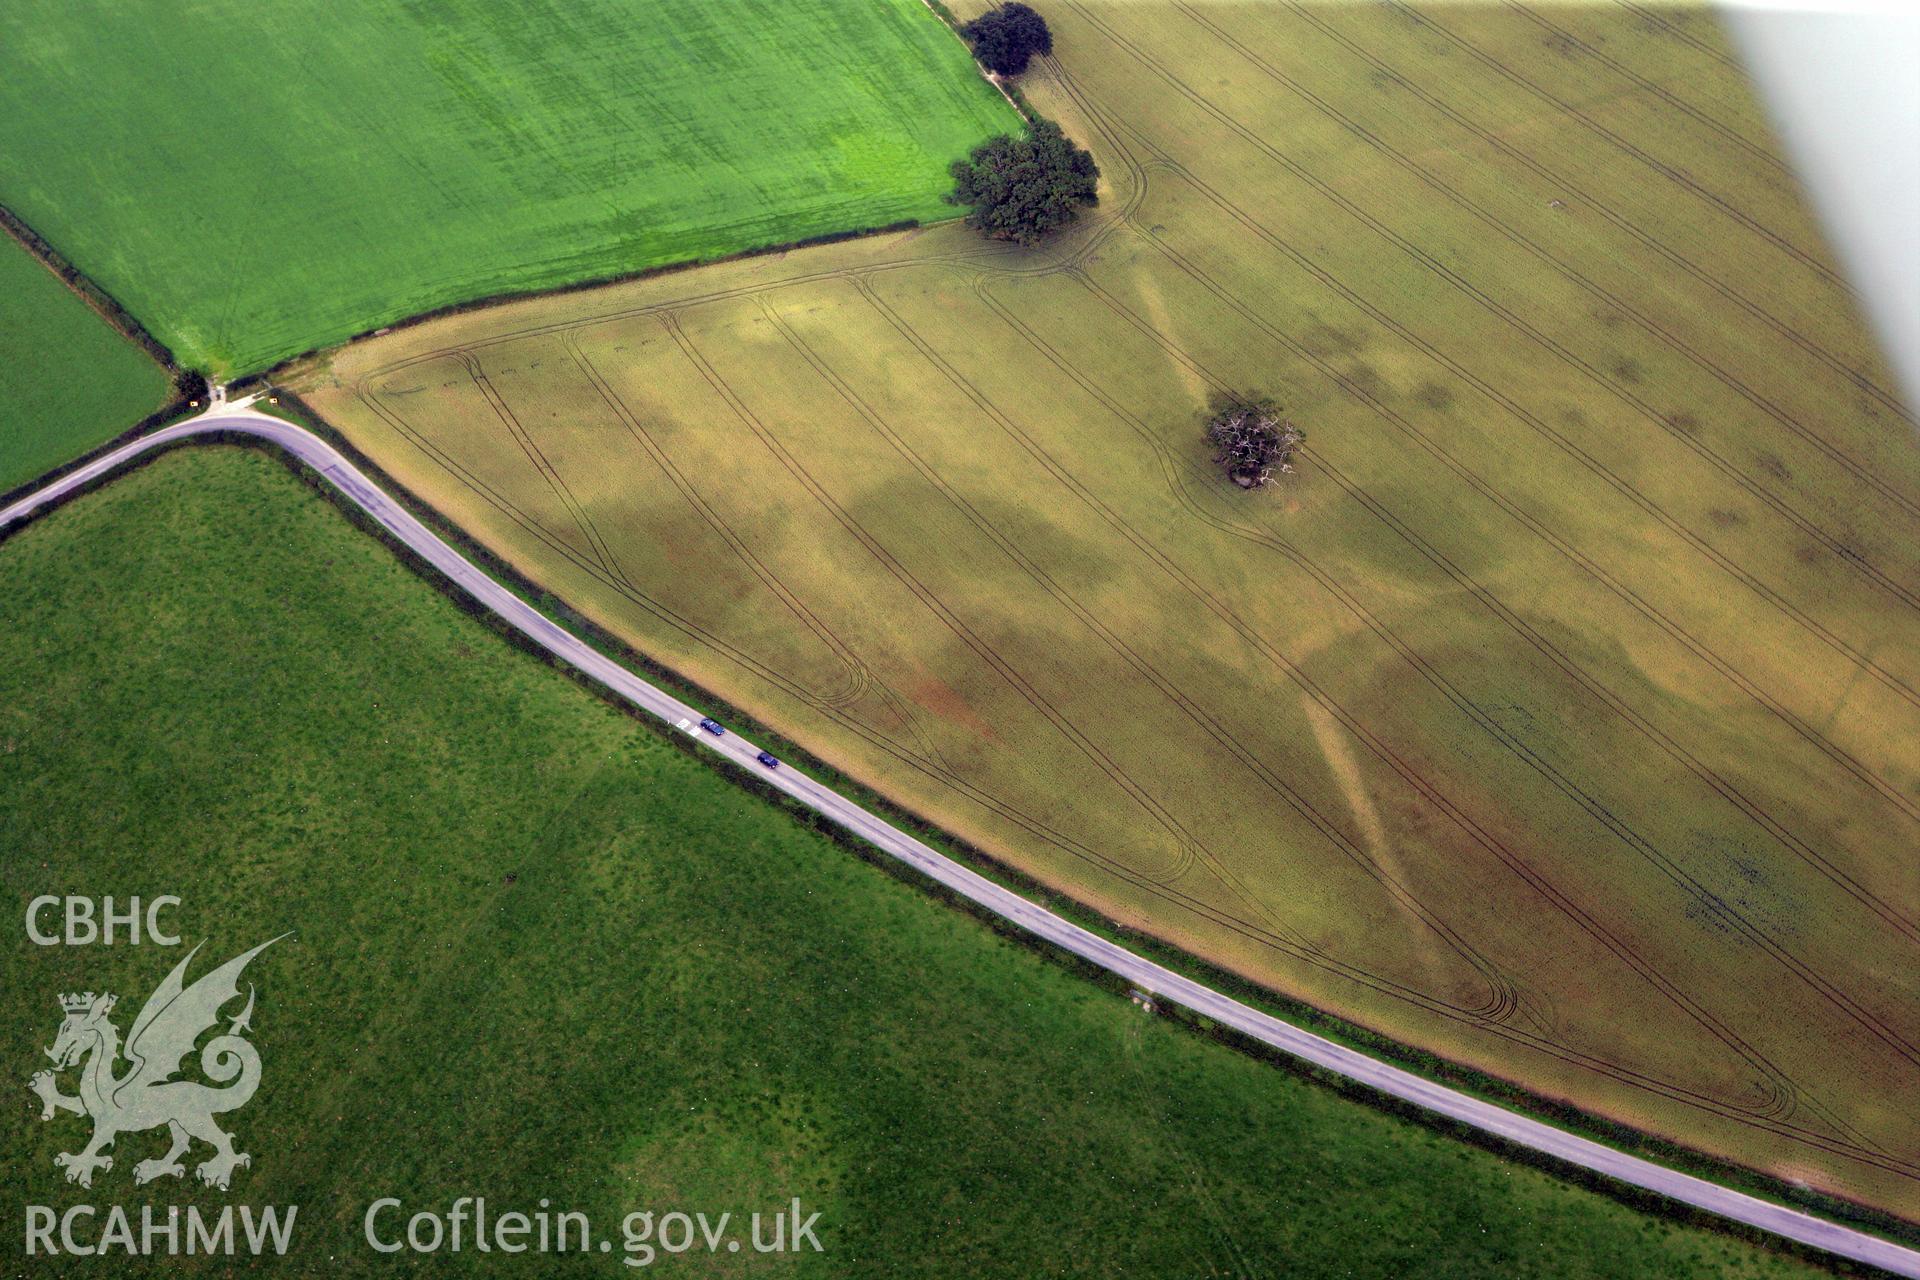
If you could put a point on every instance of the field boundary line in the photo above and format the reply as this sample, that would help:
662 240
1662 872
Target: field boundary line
98 300
880 741
1328 964
875 269
947 20
937 772
1351 1064
1785 1092
532 526
1794 843
1676 871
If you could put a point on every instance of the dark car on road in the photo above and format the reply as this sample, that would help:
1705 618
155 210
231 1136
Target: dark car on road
713 727
766 758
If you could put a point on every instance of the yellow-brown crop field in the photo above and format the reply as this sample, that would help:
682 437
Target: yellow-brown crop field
1559 716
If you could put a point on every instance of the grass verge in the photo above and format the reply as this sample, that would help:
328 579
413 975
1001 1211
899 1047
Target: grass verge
68 379
544 951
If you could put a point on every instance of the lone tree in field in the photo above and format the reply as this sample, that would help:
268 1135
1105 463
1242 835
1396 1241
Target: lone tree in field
1253 441
1004 38
1022 188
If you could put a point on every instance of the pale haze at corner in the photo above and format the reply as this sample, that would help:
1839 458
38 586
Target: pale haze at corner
1842 85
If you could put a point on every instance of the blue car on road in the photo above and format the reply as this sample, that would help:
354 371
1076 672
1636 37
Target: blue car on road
767 759
713 727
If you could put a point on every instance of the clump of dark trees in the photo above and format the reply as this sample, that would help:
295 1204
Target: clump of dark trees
1004 38
1252 441
1021 189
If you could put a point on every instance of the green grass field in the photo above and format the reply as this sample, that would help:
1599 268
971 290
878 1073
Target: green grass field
253 180
67 379
540 951
1559 717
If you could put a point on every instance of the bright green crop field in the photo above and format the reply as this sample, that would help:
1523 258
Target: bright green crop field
67 379
1560 714
254 179
540 950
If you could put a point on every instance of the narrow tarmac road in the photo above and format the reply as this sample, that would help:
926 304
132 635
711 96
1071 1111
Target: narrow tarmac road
1163 983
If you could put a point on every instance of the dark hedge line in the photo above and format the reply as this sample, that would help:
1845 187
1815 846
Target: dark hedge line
495 299
1333 1027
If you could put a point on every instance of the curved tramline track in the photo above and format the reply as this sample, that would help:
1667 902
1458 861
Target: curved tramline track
905 298
1351 1064
1773 1102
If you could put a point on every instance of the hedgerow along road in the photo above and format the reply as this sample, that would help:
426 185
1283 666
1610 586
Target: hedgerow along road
1509 1126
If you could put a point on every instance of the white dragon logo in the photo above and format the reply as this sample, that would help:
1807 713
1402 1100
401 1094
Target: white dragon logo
147 1096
